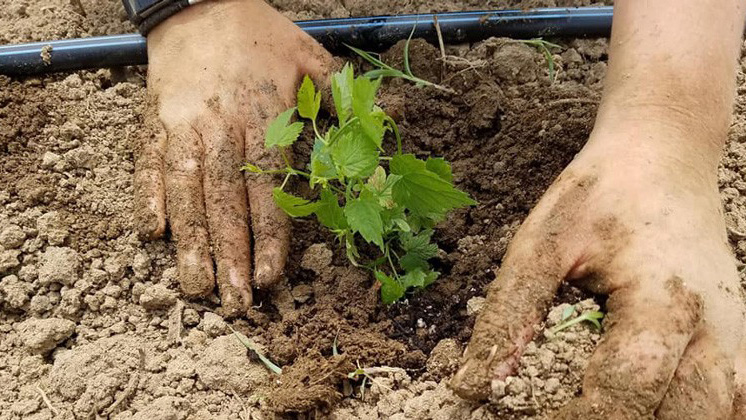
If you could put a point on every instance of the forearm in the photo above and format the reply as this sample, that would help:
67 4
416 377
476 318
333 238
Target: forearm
672 66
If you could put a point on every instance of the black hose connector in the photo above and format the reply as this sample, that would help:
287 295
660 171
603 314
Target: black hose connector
371 33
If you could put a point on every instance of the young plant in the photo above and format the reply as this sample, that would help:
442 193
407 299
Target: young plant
384 70
395 210
544 48
593 317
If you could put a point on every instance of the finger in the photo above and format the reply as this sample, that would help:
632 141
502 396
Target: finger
227 214
186 211
150 196
649 324
516 301
537 261
739 397
702 387
270 225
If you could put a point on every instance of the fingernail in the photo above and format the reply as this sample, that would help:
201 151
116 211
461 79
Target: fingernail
263 274
196 278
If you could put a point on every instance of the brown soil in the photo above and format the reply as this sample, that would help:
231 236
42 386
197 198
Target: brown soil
91 317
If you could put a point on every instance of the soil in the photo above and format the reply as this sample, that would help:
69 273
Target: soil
93 323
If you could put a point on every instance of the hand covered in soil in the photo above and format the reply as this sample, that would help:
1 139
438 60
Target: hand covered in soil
637 221
219 72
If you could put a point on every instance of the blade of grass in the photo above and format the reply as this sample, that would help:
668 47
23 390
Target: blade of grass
251 346
407 69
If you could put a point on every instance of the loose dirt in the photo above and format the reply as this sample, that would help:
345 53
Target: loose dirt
94 326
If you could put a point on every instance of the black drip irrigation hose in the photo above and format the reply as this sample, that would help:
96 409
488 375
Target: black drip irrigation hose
371 33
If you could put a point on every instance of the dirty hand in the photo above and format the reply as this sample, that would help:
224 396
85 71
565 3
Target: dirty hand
642 225
218 73
637 217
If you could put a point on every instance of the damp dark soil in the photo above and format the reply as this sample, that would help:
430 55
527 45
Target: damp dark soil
508 133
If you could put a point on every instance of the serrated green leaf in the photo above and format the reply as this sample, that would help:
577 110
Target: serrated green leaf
381 185
280 132
364 216
377 180
403 225
418 249
414 278
342 83
424 193
430 277
329 213
391 290
354 156
364 107
419 244
440 167
364 95
322 165
351 248
292 205
412 262
309 101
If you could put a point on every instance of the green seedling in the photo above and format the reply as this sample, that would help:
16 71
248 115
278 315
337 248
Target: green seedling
384 70
544 48
391 202
246 341
592 316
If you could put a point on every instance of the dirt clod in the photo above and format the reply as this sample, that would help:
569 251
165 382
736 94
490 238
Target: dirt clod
42 335
157 297
223 366
59 265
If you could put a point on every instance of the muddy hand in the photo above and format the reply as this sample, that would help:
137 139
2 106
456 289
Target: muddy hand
637 217
653 240
218 73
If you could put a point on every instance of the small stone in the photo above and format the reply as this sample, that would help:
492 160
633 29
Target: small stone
141 265
40 336
52 228
474 305
316 258
40 304
213 325
59 265
190 317
83 157
551 385
12 237
302 292
516 386
157 297
9 260
15 293
498 389
49 159
115 267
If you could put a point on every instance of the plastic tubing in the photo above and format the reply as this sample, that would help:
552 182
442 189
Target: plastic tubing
371 33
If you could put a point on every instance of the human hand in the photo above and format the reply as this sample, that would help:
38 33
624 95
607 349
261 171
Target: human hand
218 73
636 216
